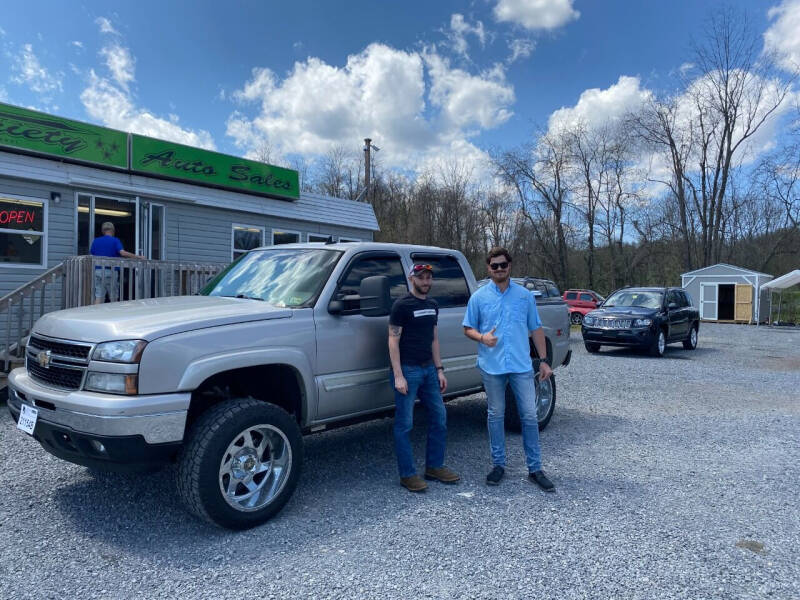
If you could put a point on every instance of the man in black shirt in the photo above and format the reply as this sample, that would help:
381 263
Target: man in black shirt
417 371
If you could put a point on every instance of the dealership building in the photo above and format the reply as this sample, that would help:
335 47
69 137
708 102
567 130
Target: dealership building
61 179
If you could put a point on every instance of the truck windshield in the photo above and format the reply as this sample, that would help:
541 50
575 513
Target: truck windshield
635 298
291 277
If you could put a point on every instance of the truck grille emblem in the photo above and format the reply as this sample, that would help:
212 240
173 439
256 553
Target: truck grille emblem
43 358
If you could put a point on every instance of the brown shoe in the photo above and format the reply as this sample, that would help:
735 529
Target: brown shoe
413 483
442 474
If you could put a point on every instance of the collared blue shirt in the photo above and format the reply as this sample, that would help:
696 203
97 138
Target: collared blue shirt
514 315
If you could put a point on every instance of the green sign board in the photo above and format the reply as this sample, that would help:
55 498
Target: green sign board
167 159
33 131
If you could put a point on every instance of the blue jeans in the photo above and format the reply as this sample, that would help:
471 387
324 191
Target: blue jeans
422 382
524 388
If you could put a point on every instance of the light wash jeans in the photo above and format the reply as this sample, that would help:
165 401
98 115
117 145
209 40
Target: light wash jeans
422 382
524 387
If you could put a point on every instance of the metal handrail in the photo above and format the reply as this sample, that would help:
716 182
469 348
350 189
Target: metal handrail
78 276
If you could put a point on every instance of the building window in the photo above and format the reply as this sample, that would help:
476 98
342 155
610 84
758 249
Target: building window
318 237
22 232
285 237
244 238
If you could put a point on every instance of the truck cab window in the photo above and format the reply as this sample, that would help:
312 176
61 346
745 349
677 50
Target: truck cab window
368 266
449 284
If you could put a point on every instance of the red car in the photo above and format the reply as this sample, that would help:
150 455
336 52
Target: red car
580 302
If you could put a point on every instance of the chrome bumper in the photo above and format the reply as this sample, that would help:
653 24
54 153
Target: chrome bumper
158 418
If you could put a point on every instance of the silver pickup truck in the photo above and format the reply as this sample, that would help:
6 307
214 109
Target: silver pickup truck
286 341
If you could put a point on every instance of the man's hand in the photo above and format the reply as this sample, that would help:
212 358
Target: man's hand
544 371
490 339
442 381
401 385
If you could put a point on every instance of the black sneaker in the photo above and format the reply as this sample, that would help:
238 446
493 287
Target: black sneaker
540 479
494 477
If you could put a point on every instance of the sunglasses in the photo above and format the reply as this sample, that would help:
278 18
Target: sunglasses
497 266
418 268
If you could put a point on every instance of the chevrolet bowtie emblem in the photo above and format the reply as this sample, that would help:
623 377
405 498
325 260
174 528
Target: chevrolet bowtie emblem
44 358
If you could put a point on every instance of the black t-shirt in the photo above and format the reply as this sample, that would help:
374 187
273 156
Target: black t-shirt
417 318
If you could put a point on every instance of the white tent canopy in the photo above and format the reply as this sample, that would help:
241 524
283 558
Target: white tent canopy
784 281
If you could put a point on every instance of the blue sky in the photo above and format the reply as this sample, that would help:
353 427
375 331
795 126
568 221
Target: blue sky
423 79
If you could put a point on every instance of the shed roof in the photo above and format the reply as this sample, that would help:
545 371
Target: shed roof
741 270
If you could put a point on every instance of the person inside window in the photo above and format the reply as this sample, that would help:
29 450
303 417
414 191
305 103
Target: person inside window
106 279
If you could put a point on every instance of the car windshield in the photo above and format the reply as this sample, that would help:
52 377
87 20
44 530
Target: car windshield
635 298
290 277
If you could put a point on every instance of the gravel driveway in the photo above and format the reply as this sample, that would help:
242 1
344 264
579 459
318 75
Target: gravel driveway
677 478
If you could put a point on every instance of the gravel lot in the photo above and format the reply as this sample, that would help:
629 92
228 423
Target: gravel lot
677 478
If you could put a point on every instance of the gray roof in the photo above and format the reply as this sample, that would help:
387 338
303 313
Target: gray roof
734 267
314 208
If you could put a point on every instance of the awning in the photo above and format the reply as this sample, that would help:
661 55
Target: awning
784 281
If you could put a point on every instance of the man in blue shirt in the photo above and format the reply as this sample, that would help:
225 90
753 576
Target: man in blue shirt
501 316
106 280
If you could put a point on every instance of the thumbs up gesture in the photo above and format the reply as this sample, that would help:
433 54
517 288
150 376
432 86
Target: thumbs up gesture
490 339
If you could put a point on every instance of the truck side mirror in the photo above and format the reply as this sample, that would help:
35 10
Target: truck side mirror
375 298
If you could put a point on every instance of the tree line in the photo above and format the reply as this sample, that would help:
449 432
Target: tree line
705 173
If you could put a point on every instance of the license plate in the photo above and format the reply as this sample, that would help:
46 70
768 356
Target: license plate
27 419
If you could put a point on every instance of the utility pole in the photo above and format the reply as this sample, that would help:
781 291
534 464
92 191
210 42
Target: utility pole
367 144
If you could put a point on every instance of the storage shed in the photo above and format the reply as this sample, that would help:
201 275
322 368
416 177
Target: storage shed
725 292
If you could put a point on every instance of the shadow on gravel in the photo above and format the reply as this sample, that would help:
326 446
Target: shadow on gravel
676 353
344 470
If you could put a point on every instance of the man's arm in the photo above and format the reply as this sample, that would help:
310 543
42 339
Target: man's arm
490 339
437 360
400 383
126 254
540 344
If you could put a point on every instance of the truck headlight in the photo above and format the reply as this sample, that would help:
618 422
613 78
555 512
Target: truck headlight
642 322
113 383
125 351
588 320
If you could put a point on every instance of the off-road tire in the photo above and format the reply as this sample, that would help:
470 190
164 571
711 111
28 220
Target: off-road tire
207 441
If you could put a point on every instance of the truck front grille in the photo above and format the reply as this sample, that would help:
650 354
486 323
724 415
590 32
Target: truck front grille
67 378
63 367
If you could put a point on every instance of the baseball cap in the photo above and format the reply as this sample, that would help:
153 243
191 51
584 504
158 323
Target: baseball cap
418 268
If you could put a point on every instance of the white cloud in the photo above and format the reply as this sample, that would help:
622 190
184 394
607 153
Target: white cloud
77 44
783 36
120 62
105 26
110 102
30 72
596 107
536 14
459 30
520 48
413 104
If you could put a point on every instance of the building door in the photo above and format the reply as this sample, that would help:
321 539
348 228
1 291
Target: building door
152 227
708 301
725 301
744 302
95 210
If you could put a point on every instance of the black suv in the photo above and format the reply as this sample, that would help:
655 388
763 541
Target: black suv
648 318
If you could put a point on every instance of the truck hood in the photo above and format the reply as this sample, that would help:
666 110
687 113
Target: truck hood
153 318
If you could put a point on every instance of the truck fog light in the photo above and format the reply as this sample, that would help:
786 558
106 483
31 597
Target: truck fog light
114 383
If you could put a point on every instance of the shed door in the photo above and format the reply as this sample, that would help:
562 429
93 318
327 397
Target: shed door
744 302
708 301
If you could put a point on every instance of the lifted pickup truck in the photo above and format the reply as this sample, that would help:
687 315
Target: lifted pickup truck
287 340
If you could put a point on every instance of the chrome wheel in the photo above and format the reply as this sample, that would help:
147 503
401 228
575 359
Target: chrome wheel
544 399
693 338
662 342
255 467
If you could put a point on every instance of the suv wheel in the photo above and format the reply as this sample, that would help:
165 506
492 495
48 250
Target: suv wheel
659 344
545 404
576 318
241 463
591 347
690 343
